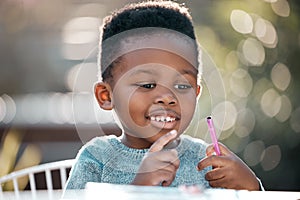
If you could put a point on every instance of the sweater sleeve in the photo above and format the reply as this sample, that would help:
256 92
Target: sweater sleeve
86 169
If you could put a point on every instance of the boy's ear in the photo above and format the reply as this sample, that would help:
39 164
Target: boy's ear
198 91
103 95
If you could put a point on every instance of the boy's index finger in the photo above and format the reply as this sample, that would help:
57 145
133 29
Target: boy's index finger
223 149
210 150
159 144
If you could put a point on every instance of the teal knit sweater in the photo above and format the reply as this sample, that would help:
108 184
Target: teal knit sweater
105 159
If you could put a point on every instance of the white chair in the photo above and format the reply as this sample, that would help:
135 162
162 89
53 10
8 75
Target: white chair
62 166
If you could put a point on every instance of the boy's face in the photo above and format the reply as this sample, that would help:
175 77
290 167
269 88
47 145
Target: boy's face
153 92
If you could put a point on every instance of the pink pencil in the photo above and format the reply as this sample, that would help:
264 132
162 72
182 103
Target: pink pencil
213 135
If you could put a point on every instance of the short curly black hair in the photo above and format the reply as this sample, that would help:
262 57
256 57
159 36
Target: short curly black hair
152 13
155 13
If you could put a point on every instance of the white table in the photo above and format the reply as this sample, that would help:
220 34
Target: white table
27 195
101 191
129 192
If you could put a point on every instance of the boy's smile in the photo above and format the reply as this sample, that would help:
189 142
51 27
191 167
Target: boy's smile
153 92
163 119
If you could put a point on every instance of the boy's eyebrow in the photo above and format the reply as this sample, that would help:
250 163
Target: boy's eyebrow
153 72
142 71
189 71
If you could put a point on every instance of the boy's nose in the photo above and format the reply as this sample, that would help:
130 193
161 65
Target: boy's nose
165 97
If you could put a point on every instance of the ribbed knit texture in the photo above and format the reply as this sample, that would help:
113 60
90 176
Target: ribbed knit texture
105 159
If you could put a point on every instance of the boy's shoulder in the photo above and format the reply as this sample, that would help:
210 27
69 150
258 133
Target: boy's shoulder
100 144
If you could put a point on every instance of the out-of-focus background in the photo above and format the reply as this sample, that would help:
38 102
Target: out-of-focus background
48 67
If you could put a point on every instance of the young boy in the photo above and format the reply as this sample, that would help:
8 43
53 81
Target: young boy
150 78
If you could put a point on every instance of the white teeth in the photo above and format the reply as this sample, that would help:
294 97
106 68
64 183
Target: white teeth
162 119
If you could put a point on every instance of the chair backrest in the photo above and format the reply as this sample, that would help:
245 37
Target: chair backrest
47 168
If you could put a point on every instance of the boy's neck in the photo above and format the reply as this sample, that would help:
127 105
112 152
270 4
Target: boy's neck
134 142
138 143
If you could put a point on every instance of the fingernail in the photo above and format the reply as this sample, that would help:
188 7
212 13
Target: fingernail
173 132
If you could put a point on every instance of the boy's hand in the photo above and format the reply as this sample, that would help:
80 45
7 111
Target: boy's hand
229 171
158 167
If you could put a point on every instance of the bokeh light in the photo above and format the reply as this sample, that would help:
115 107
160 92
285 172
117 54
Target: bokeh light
285 109
260 87
237 144
266 33
241 83
270 1
2 109
7 109
270 103
59 108
281 76
53 108
232 61
281 8
245 123
27 103
83 108
271 157
225 111
241 21
253 152
80 37
252 51
80 30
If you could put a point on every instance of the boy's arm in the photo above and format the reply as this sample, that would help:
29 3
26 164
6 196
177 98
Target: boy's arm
229 171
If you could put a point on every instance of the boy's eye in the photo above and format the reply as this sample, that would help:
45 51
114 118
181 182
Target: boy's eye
183 86
148 85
